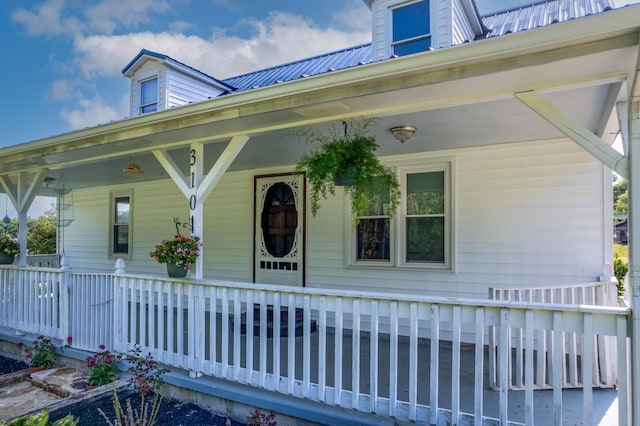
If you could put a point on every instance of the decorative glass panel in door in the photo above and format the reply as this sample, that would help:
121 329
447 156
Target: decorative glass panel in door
279 246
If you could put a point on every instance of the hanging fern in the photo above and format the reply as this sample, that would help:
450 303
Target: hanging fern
350 157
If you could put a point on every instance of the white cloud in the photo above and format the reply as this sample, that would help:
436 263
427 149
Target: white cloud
90 112
275 40
106 15
54 18
62 90
43 20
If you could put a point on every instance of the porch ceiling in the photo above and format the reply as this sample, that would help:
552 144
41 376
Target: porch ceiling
453 101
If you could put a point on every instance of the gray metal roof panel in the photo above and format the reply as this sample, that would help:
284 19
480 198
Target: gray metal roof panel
542 14
340 59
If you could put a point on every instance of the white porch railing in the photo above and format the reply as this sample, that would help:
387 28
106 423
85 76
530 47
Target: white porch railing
374 353
43 260
602 348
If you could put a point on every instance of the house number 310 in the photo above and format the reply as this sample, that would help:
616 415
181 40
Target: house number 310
192 199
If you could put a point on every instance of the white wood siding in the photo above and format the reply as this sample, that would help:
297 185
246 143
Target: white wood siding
441 17
527 214
149 69
462 30
379 49
449 26
182 89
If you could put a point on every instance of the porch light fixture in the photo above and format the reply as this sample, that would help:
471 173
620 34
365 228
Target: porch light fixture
402 133
6 220
133 167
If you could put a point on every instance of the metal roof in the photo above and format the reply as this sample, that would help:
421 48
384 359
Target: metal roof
509 21
332 61
542 14
169 60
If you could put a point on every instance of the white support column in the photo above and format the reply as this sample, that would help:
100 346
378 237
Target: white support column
634 251
633 146
196 203
21 196
198 186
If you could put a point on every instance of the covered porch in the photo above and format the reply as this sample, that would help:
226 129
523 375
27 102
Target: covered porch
427 360
523 123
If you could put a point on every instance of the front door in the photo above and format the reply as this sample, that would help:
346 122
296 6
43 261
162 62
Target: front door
279 229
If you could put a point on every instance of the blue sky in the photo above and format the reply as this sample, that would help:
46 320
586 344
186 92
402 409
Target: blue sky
62 59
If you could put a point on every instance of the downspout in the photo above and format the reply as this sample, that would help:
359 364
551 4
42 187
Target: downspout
633 123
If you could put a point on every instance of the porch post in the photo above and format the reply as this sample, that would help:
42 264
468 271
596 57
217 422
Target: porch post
634 250
22 195
196 203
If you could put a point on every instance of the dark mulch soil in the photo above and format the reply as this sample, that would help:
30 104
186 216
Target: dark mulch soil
8 365
172 412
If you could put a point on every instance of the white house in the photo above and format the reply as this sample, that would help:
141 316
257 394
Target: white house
514 118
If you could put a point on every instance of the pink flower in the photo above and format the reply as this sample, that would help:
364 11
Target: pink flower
102 347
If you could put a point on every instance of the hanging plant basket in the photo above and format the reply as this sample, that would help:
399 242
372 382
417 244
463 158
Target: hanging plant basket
7 259
349 160
176 271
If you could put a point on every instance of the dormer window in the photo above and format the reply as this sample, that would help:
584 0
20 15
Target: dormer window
410 24
149 95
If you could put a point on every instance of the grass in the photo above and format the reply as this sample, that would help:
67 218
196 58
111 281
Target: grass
622 251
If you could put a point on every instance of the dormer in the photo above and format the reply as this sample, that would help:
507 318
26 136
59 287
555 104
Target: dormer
158 82
404 27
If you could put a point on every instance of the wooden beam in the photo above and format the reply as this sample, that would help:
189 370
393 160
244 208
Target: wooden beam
173 170
220 167
576 131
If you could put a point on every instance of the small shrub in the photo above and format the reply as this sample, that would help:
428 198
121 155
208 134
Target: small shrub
146 377
103 367
43 353
261 419
41 419
620 268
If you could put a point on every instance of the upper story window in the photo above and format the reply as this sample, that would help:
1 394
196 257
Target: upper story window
149 95
410 25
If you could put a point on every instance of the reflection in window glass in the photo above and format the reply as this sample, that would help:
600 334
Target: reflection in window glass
373 229
149 96
410 28
425 217
121 225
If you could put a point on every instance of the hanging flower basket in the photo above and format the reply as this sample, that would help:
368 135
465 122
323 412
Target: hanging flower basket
179 254
9 248
174 271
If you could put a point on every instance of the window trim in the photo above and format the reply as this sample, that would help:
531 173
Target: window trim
401 216
391 43
397 225
113 196
141 106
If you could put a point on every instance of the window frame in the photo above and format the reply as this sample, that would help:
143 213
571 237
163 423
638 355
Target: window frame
391 44
401 215
113 198
142 106
397 225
